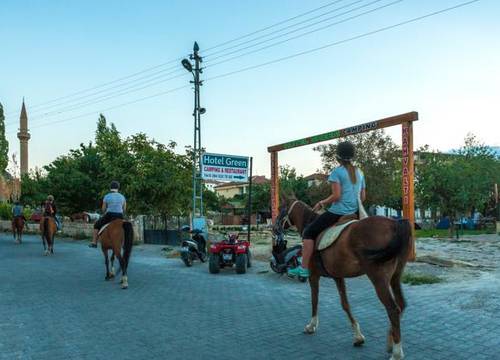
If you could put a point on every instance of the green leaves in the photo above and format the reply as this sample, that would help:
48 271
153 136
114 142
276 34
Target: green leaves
4 144
154 178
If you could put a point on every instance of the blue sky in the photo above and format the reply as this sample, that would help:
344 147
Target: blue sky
445 67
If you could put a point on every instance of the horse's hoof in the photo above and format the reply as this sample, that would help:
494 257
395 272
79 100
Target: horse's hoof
107 278
46 253
359 341
124 286
309 329
111 275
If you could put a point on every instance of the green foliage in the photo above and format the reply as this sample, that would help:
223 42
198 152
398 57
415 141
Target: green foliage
293 185
4 144
154 179
457 183
34 188
5 211
380 160
419 279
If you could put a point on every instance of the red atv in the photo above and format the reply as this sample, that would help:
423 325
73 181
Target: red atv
228 252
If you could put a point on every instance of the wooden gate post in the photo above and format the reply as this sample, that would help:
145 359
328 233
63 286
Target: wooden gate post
408 184
275 186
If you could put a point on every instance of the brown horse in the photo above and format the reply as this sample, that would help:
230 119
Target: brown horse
375 246
48 228
114 236
18 224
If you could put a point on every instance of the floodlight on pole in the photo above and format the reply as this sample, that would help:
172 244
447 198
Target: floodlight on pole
187 65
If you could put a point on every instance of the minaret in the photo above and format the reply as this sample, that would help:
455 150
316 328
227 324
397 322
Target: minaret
23 135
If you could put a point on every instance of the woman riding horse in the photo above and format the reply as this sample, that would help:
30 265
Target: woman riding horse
348 184
376 246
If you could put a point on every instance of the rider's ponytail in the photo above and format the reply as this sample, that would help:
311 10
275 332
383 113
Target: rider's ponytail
350 169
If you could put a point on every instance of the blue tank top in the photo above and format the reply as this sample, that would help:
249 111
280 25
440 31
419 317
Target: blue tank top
348 202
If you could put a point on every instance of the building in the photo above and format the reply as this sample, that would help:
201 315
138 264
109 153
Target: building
23 135
231 189
316 179
211 184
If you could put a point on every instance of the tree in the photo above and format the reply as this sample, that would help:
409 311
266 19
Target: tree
380 160
4 144
33 188
458 182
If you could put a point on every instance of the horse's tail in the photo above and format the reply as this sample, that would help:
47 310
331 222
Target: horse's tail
397 247
128 241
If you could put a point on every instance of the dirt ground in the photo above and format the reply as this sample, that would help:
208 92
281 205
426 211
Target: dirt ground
449 259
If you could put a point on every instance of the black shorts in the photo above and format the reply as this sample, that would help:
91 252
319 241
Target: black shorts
321 223
107 218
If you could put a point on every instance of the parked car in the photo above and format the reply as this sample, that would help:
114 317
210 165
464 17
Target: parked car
36 216
92 216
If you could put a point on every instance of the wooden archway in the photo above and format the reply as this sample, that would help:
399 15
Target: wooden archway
407 187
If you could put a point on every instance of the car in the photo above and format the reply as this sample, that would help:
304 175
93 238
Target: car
36 216
92 216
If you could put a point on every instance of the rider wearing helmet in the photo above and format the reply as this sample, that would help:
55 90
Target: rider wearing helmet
114 205
49 209
348 184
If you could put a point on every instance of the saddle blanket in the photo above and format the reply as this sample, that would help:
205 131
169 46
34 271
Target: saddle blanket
331 234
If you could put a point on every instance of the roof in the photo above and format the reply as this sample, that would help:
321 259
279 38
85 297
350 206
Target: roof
317 176
256 180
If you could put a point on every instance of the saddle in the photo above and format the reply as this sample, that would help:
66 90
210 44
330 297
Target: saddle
328 237
106 225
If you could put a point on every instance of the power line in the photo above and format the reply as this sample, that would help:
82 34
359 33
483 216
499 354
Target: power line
208 54
177 59
308 32
121 92
339 42
109 108
284 58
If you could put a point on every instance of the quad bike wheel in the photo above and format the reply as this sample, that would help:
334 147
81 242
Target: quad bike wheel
214 264
241 263
188 260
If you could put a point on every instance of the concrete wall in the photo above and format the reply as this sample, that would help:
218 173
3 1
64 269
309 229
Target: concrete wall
77 230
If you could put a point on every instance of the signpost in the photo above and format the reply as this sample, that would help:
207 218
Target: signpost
224 167
231 168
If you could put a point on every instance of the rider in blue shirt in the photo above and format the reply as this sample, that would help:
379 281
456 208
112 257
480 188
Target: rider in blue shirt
348 184
114 205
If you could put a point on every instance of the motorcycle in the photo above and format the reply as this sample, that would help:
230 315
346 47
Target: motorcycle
194 248
284 258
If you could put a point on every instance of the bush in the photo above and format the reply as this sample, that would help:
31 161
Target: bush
5 211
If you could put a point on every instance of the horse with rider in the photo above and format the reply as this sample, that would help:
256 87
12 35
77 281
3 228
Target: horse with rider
18 221
114 232
375 246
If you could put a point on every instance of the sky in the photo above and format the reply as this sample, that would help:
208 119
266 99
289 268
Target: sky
444 66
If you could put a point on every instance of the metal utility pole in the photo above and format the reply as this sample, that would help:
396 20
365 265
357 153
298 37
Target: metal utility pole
197 112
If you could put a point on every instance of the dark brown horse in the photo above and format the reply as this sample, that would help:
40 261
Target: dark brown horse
48 228
116 235
18 224
375 246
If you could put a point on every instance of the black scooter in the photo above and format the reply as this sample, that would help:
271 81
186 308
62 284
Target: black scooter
284 258
193 248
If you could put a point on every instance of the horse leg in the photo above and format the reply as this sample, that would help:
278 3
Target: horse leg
112 273
314 284
398 296
106 262
124 279
359 339
383 288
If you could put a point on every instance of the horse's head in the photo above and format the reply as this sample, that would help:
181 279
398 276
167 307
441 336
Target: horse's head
283 221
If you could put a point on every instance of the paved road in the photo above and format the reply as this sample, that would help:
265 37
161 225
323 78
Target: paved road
60 307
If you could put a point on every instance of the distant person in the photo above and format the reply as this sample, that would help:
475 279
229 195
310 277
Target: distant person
114 205
49 208
17 210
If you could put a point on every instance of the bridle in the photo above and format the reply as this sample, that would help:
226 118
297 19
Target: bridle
285 220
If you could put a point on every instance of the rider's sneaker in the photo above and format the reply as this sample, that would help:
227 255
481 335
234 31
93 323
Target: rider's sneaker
298 271
92 245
